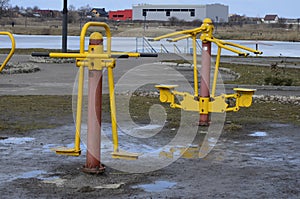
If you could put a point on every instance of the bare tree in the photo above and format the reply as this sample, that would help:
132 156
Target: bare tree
35 8
73 14
85 9
173 21
3 7
72 8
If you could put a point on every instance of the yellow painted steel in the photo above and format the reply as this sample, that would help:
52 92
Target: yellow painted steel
242 97
12 50
218 58
76 151
195 66
113 109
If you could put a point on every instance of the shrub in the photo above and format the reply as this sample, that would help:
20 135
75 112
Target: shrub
278 81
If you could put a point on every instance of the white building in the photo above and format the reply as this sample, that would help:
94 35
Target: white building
216 12
271 19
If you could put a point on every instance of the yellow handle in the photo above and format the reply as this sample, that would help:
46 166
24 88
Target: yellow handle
13 46
84 30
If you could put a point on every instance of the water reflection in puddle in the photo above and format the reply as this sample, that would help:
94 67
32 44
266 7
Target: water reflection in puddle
16 140
32 174
157 186
42 175
258 134
279 125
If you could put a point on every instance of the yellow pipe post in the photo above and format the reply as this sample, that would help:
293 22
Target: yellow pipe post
216 72
113 109
195 66
79 108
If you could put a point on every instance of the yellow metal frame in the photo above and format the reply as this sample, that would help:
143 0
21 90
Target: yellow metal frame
12 51
213 103
105 60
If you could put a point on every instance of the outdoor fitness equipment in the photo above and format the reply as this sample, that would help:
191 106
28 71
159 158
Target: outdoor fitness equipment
96 59
205 103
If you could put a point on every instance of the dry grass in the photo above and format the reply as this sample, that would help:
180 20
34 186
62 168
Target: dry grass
38 26
26 113
256 75
258 32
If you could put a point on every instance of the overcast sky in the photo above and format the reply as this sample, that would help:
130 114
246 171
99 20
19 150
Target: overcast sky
252 8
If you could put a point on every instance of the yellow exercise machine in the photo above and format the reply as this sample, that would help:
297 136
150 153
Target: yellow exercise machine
210 103
95 60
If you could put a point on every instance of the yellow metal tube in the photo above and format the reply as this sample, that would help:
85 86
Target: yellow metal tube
113 109
13 46
190 32
240 46
213 92
79 107
79 55
223 44
95 55
195 66
220 44
205 27
179 38
84 30
130 54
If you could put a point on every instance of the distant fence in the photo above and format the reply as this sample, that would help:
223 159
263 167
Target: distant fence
143 45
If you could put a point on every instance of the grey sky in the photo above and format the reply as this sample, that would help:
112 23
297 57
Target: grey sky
253 8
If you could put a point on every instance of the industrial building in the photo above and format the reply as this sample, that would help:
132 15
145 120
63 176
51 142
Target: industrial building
217 12
120 15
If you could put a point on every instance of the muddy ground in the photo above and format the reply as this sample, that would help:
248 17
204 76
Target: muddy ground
257 161
257 157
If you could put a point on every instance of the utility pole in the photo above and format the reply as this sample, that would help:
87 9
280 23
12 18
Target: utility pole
65 26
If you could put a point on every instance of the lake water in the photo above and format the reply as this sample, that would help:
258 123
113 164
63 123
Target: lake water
133 44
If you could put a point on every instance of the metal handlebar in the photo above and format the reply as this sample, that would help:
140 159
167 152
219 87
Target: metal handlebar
86 55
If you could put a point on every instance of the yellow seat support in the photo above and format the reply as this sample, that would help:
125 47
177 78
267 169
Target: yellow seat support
244 98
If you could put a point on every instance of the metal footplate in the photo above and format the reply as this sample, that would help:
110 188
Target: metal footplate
67 151
125 155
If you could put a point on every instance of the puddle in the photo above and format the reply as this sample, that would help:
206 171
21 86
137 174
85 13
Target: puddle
42 175
16 140
258 134
279 125
32 174
157 186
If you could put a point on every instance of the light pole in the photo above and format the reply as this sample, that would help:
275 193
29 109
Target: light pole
65 26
